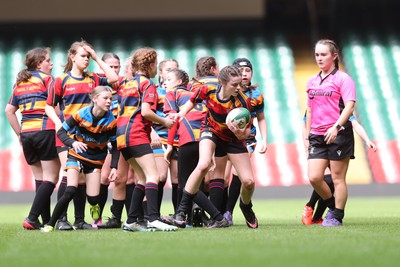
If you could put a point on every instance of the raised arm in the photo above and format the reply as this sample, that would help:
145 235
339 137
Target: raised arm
112 77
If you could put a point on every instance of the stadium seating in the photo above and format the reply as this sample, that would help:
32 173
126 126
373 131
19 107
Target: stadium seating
371 61
273 70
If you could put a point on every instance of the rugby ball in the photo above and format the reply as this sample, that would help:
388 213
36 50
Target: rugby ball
238 117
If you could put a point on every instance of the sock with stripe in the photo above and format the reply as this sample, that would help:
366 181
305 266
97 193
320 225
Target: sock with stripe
217 193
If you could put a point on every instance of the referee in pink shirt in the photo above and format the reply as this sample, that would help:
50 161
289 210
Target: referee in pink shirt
331 101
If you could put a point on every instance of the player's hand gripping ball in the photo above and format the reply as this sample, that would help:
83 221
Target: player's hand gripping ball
238 118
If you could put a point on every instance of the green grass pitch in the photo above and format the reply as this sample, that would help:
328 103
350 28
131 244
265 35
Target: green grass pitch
370 237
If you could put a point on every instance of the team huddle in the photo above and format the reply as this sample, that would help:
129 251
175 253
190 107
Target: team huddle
103 128
100 128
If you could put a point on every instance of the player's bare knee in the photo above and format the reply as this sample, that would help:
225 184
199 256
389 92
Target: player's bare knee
248 184
315 180
204 166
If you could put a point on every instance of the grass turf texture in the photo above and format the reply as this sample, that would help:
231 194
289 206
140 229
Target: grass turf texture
370 237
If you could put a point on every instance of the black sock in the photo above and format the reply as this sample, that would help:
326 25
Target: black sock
144 206
136 209
329 181
330 202
128 196
117 207
201 199
225 200
179 198
103 197
175 196
319 211
152 201
80 203
37 184
160 194
245 206
185 205
62 204
338 214
313 199
93 200
42 198
217 193
60 192
233 193
45 214
45 211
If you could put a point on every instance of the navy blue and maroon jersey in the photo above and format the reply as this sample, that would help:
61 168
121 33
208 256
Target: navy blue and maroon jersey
30 97
132 128
218 109
190 126
82 126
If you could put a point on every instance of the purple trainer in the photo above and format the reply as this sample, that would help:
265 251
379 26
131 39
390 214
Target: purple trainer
329 215
331 222
228 217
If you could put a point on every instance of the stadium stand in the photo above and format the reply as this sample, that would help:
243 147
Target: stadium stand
371 60
280 72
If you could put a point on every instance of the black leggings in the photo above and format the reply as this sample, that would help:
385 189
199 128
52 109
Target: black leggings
188 157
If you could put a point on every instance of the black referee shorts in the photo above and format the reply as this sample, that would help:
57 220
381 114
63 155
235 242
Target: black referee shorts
342 147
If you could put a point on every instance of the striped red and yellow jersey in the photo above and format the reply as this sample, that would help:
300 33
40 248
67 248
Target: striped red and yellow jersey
30 97
218 109
132 128
190 126
72 93
193 85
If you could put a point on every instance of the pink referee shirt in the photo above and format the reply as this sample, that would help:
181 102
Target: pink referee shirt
326 97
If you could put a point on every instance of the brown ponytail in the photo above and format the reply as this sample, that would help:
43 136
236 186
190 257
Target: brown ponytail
32 59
